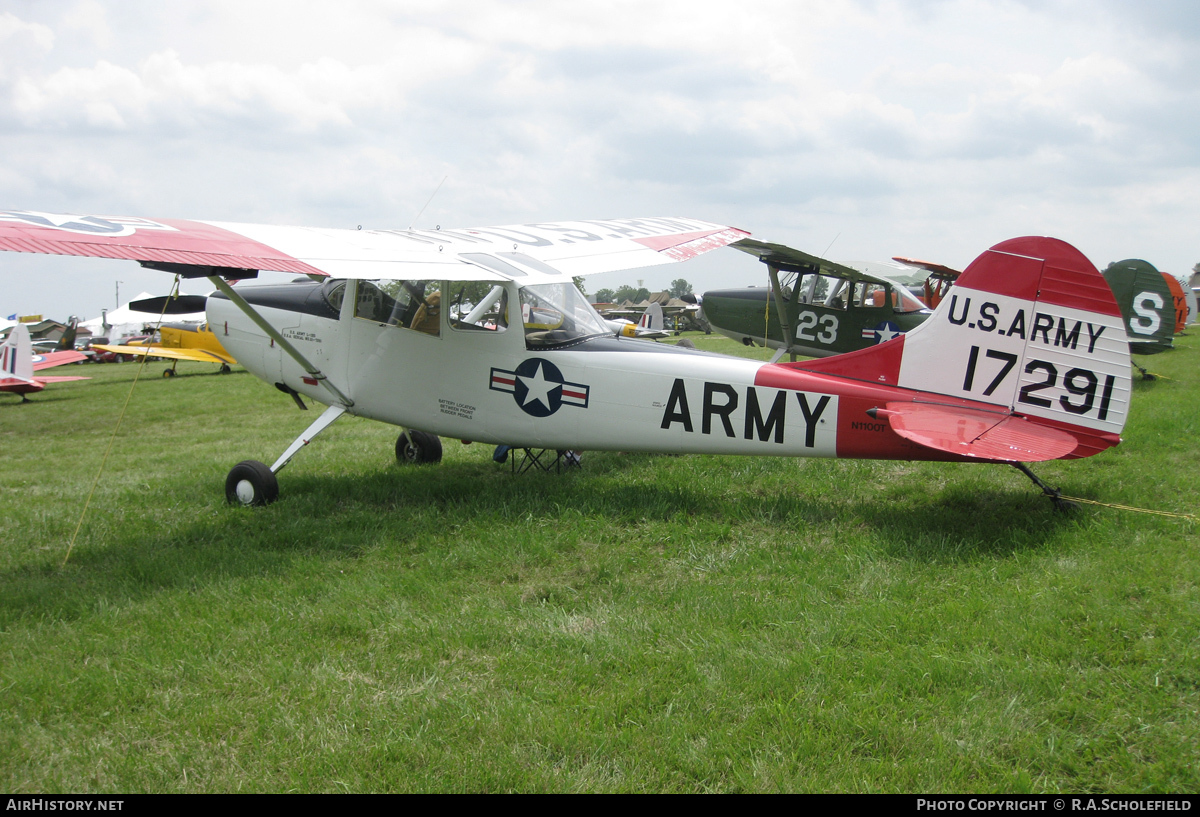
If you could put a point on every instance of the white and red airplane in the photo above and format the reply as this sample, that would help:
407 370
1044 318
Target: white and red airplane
1025 361
18 363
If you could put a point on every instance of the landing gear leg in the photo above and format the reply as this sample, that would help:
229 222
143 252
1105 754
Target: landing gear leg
1053 494
253 483
1145 374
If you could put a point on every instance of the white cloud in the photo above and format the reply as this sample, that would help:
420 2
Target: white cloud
931 128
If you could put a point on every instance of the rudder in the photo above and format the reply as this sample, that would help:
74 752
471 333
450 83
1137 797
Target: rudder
1031 326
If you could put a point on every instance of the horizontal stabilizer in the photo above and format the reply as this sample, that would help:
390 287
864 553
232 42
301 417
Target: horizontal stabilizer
975 433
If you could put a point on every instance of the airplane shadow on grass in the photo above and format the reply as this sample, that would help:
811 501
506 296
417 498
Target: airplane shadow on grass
416 510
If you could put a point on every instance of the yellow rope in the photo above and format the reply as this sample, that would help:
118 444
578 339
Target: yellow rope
1187 516
116 428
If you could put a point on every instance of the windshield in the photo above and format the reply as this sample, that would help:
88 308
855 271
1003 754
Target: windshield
908 302
555 314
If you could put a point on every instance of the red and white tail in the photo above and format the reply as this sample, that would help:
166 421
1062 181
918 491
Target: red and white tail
16 355
1030 327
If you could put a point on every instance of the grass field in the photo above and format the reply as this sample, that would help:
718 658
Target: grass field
650 623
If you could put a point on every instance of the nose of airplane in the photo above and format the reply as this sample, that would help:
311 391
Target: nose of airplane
167 305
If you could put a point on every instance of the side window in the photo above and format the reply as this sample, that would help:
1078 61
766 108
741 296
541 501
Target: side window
832 292
478 306
872 295
408 304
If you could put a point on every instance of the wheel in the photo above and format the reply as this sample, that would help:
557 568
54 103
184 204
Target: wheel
225 368
418 447
168 372
251 483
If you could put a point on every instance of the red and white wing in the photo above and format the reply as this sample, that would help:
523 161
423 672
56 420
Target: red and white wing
566 248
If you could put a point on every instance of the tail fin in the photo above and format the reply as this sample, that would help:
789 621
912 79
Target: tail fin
67 341
16 355
1145 300
1031 328
652 318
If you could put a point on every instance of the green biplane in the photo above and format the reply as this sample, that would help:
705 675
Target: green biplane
814 307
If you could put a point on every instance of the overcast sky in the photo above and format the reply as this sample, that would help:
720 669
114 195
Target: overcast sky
858 129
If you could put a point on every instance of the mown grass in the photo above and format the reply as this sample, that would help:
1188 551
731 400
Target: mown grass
647 624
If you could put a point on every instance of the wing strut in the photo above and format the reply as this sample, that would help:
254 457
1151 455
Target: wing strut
784 324
292 352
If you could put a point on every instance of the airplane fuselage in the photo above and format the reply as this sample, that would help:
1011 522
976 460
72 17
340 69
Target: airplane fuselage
598 393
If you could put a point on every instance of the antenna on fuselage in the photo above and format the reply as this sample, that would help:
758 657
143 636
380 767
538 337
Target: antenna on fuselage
835 238
422 210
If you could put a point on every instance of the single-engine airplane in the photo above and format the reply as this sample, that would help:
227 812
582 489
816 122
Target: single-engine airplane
18 363
178 341
649 325
1026 361
813 307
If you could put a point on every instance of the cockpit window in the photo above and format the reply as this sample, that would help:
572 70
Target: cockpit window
478 305
554 314
405 303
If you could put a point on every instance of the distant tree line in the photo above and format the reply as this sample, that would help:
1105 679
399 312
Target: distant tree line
679 287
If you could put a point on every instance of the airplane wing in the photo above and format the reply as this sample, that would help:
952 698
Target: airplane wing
201 248
787 257
938 269
51 359
199 355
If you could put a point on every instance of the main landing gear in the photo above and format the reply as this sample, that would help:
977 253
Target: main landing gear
418 447
251 483
254 483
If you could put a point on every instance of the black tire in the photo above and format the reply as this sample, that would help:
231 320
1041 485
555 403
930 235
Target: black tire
225 368
251 483
168 372
418 447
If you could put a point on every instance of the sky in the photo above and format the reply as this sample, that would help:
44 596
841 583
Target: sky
853 129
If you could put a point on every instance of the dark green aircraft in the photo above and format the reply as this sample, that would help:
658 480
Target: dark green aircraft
813 306
1146 305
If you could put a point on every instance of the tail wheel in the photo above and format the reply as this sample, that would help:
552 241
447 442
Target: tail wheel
418 447
251 483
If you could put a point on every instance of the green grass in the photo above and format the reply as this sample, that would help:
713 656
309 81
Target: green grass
647 624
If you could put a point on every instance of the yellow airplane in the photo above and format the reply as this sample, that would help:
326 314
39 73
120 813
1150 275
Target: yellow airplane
180 341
